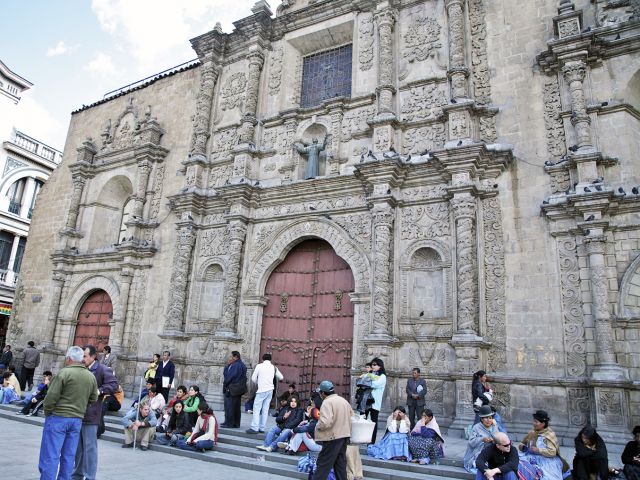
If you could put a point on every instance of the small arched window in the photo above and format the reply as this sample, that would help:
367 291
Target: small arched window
427 285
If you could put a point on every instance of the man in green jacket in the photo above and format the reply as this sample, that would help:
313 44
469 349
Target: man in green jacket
70 393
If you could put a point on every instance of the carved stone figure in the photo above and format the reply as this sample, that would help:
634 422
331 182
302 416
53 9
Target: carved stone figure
312 152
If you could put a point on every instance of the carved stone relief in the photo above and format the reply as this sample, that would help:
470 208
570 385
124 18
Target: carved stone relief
610 407
568 27
425 221
424 102
232 93
494 268
488 130
202 117
218 176
610 12
429 137
556 141
223 142
351 201
358 227
382 260
276 139
135 325
158 181
180 278
355 122
213 243
579 406
560 181
422 39
479 62
275 70
574 342
365 43
424 192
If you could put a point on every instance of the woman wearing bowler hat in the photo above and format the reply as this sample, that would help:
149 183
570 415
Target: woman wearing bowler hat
540 448
481 434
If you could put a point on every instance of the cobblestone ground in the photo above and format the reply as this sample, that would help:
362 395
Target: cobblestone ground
20 447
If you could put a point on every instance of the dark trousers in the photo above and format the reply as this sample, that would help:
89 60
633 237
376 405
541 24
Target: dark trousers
232 405
163 391
374 418
582 467
333 455
415 413
26 378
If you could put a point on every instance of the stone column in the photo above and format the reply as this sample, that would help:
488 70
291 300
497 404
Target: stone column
142 180
606 366
202 117
574 73
458 71
174 322
237 231
383 218
385 20
117 339
76 195
52 318
256 61
11 274
464 213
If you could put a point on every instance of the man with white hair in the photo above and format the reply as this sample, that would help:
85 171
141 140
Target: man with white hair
70 393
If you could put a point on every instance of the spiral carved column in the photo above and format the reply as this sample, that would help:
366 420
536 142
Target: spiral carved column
237 234
382 291
202 117
186 240
458 71
385 20
574 73
464 212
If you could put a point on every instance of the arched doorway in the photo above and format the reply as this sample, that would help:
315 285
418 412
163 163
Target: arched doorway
307 323
93 321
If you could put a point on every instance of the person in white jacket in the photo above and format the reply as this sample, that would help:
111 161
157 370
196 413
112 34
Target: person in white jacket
395 444
205 433
263 376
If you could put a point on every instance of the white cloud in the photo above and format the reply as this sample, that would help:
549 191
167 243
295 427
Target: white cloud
157 32
59 49
32 118
101 65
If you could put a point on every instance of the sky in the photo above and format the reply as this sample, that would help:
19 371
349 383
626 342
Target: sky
75 51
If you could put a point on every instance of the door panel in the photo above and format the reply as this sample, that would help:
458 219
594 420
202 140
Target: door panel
93 321
305 326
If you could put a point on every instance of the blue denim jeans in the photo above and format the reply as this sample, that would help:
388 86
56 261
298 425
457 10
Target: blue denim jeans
261 410
58 447
206 444
87 453
275 435
505 476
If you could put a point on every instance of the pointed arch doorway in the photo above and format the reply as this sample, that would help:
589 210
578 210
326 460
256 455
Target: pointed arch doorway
93 321
307 324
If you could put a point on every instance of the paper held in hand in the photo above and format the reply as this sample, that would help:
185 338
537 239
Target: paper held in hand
165 382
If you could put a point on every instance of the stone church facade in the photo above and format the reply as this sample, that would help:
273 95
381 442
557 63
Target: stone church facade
475 206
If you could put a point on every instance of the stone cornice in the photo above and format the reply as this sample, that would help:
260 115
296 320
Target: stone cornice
474 158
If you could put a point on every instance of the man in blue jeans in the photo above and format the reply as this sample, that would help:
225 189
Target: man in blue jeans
70 393
263 376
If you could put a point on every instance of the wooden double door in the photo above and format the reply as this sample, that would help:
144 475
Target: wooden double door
93 321
307 323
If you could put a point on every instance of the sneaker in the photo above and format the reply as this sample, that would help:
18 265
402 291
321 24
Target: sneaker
261 447
19 413
268 449
251 431
144 448
283 445
424 461
249 411
127 445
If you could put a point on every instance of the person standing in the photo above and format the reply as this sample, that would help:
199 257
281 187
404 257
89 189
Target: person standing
378 383
87 451
234 386
29 365
416 391
264 375
333 430
71 391
108 359
164 375
7 356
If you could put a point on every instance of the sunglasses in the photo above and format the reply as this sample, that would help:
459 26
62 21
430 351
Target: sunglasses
501 445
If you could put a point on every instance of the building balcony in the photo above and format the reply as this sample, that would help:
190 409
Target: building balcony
14 207
31 148
8 278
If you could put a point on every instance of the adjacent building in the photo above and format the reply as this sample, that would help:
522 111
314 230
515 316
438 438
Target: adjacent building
448 184
25 165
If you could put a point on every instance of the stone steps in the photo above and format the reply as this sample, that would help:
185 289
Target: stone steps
237 448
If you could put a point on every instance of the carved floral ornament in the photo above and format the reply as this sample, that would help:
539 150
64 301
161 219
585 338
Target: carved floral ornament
233 91
422 39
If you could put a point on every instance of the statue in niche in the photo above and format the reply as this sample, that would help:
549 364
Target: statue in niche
312 152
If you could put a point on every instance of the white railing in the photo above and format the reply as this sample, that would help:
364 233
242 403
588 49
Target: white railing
33 146
26 143
8 277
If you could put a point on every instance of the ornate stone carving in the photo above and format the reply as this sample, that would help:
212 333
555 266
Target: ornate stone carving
385 20
611 12
223 142
459 126
365 43
574 343
358 227
464 212
355 122
276 139
422 39
610 407
233 90
284 302
423 103
488 130
560 181
556 141
12 164
179 278
382 260
574 73
202 117
429 137
579 406
256 61
494 268
16 323
158 182
349 201
275 70
457 67
134 326
76 195
263 232
424 192
236 233
382 139
425 221
568 27
213 243
479 61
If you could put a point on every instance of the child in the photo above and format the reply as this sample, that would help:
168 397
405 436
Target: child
34 402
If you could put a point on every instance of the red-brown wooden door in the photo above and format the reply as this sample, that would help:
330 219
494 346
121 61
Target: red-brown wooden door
307 323
93 321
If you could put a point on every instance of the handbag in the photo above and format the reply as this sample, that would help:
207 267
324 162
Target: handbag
236 389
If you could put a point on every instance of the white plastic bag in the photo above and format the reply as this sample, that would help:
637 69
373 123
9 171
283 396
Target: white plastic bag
361 430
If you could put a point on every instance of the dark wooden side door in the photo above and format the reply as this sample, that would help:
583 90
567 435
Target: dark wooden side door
307 324
93 321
